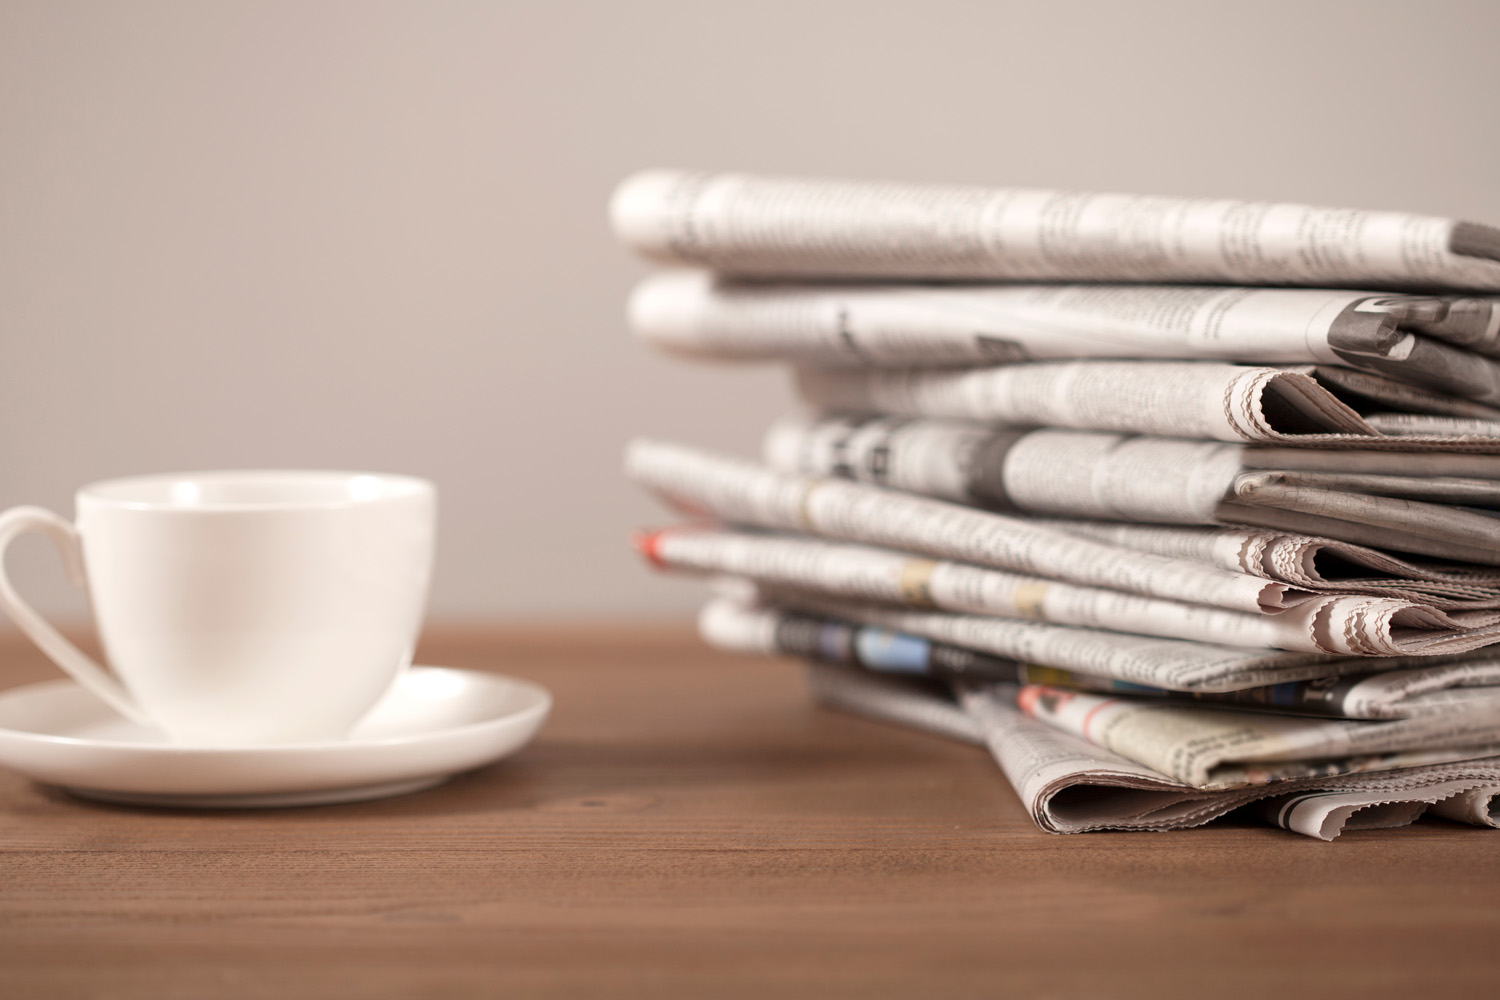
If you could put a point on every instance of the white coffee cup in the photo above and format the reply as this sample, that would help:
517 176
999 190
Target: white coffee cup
241 607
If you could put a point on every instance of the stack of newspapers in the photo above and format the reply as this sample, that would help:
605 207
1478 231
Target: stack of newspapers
1181 507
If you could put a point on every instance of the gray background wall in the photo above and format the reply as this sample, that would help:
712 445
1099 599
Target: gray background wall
373 235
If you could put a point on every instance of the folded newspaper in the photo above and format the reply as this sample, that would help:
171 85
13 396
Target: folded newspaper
1307 561
1388 689
1122 479
1211 748
1173 664
1446 343
1342 625
1412 503
790 227
744 492
1069 785
1304 406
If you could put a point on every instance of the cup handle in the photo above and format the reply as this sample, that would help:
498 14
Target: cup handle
80 667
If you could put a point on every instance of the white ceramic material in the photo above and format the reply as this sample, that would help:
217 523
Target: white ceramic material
242 607
433 724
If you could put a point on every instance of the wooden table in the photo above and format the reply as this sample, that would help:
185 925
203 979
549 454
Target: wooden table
688 824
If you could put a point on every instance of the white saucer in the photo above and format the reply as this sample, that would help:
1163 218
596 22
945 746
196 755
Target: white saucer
435 723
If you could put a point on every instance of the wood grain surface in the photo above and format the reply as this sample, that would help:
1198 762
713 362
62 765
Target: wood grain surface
688 824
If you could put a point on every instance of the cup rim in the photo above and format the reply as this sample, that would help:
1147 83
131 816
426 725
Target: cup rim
180 492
